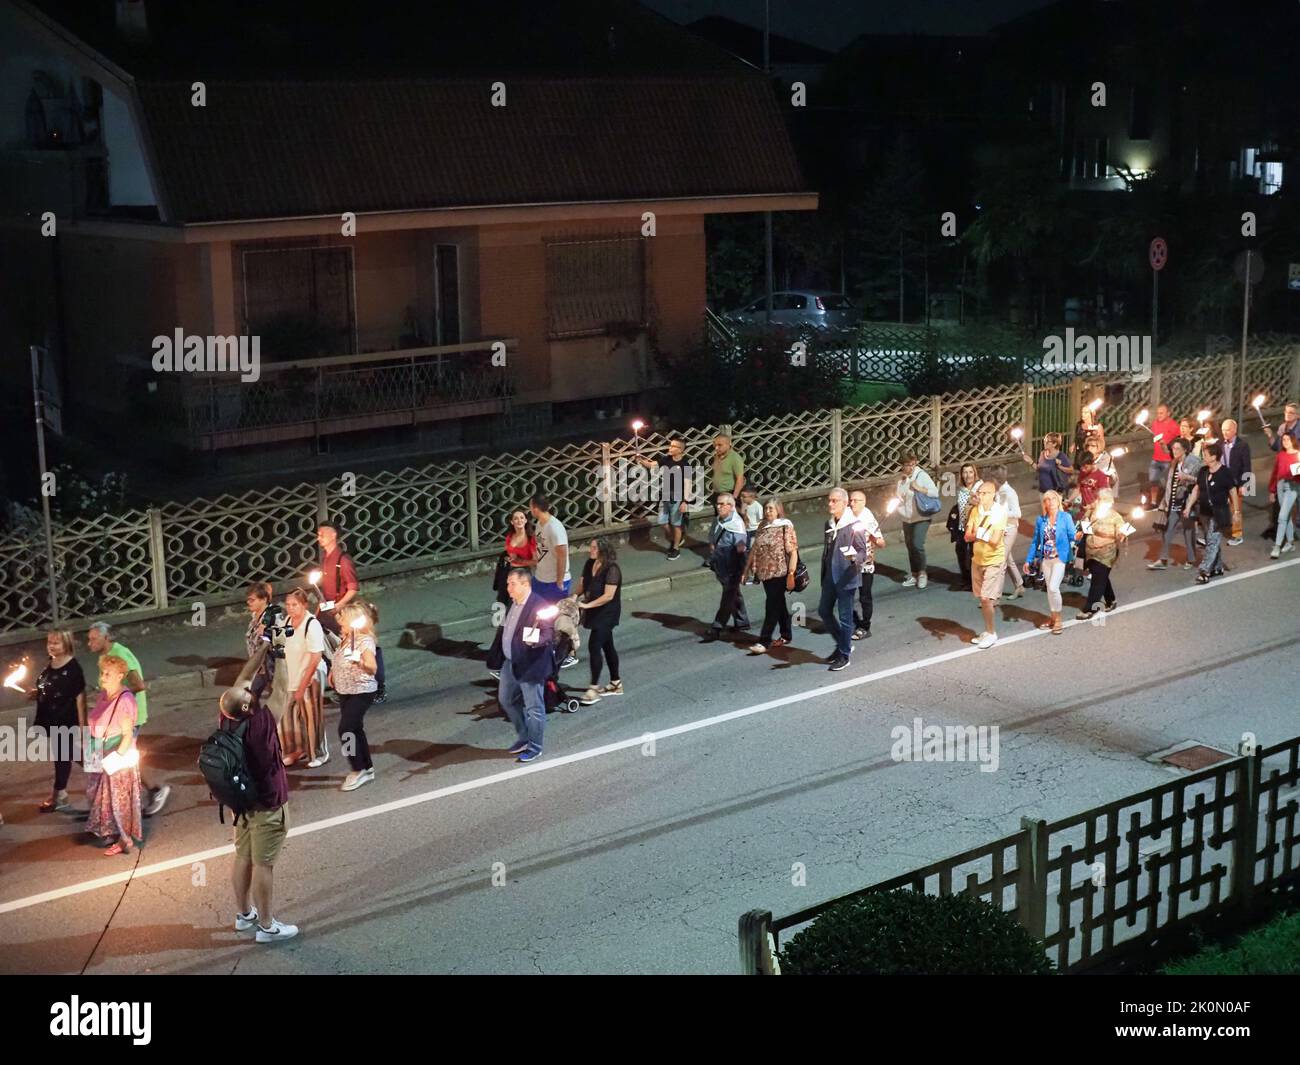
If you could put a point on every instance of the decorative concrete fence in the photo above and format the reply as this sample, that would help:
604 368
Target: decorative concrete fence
159 560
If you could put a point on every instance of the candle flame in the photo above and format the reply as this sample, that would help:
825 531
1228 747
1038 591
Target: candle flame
1095 405
1103 508
16 676
1204 415
1142 416
1258 401
314 576
638 425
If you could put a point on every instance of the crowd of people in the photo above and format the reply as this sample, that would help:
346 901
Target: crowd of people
325 639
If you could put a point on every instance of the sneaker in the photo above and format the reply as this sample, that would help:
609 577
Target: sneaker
158 801
987 640
614 687
572 660
922 581
910 582
673 554
1110 606
1188 565
276 933
495 674
1276 552
354 780
529 756
714 633
1287 547
518 747
1159 563
591 695
316 763
1085 615
381 696
757 649
1200 541
838 662
1018 593
1234 541
245 921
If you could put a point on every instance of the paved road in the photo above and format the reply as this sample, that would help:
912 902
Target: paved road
616 855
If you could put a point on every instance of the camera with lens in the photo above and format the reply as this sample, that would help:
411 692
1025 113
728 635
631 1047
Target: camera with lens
275 629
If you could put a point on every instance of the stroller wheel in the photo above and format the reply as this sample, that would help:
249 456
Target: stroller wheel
571 707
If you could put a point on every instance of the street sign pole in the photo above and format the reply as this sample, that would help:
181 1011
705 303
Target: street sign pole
45 499
1157 256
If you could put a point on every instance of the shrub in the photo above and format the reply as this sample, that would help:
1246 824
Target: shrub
909 932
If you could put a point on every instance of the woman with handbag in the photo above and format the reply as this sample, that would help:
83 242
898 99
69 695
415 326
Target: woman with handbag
774 560
1051 547
113 763
918 503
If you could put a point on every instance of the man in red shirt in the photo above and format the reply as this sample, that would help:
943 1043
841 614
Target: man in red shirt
1163 431
338 577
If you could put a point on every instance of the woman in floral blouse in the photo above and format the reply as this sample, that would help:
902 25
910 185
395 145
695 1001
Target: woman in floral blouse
773 558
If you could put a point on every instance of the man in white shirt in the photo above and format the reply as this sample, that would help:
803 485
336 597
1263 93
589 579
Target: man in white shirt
875 539
1006 495
551 578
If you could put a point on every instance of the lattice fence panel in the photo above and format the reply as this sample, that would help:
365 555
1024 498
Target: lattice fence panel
1190 385
1133 868
872 437
399 515
24 597
1123 398
1271 375
102 565
570 477
1277 854
786 455
976 425
215 546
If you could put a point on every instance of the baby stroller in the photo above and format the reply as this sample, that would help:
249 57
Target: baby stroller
554 694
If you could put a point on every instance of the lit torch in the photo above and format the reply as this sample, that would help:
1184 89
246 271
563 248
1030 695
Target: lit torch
1258 402
1018 435
891 506
358 622
15 678
637 426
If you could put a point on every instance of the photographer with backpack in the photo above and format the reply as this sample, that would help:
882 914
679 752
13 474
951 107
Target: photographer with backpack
242 765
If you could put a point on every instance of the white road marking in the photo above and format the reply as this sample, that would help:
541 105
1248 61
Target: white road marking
610 748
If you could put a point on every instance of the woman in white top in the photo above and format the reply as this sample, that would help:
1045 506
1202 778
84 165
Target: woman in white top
302 729
352 675
916 525
1011 501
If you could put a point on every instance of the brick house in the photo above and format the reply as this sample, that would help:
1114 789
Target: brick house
379 200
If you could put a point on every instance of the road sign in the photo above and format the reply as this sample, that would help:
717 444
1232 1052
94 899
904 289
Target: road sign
1158 254
1256 267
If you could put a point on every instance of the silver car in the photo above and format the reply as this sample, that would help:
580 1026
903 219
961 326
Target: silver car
800 307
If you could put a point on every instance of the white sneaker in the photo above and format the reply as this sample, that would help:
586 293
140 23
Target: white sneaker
922 581
757 649
245 921
316 763
158 801
1287 547
1275 552
977 639
354 780
986 641
910 582
571 660
276 933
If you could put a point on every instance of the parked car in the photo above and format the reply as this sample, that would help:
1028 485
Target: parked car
800 307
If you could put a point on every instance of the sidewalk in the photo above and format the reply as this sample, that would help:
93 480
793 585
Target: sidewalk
418 611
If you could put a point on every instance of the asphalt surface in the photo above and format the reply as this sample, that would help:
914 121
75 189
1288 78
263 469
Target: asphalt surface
620 854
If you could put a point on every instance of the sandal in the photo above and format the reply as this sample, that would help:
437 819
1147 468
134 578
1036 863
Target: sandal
48 806
116 848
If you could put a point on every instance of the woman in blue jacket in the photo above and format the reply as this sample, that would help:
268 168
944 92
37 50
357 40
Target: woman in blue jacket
1052 543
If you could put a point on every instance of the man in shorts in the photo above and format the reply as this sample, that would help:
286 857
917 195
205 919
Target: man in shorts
675 488
261 831
986 529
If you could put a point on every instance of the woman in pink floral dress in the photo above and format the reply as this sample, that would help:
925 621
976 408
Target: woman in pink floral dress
114 798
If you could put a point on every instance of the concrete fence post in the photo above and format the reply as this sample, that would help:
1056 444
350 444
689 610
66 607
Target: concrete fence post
1031 877
756 958
1229 376
837 446
471 499
322 502
1293 383
607 481
157 559
936 431
1027 413
1245 832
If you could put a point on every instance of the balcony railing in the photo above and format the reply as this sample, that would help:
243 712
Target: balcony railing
338 394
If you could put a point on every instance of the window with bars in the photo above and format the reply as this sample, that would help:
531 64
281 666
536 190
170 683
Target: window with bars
595 282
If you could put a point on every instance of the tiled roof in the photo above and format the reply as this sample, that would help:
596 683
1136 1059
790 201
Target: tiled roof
287 149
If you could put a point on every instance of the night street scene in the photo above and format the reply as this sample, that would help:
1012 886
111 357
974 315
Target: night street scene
679 487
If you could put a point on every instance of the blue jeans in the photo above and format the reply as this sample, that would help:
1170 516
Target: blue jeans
835 601
522 701
1287 496
551 591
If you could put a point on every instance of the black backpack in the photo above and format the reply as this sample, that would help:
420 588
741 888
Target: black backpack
224 765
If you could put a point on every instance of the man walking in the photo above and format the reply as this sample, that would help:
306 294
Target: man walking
1213 492
727 545
842 559
728 469
875 538
986 530
675 492
260 831
1236 457
1164 431
338 577
101 642
1009 500
552 580
526 638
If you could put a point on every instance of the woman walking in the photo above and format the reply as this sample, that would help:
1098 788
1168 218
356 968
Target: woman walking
302 729
1052 466
60 697
773 559
918 501
352 676
520 551
1181 479
600 600
968 477
1284 489
1051 545
1104 526
112 763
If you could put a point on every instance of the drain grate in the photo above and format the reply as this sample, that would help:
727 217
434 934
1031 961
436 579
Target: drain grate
1194 757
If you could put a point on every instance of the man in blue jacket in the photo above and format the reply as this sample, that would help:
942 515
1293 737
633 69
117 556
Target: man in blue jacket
526 636
845 550
1236 456
728 542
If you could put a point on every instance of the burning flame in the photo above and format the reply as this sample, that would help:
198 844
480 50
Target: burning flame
638 425
891 506
1142 416
1138 511
1116 452
1103 508
548 612
1017 433
16 676
314 577
1204 415
1095 405
360 621
1258 401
